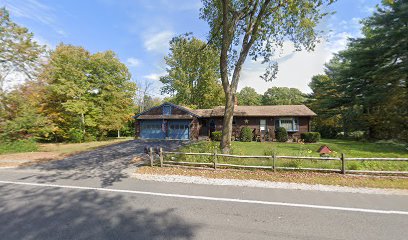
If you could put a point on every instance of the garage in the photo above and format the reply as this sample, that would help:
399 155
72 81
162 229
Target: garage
179 129
152 129
167 121
162 129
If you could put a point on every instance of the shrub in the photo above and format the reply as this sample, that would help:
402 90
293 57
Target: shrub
89 137
246 134
75 135
216 136
310 137
281 134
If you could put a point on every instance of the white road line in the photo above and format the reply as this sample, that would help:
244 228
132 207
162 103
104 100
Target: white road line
364 210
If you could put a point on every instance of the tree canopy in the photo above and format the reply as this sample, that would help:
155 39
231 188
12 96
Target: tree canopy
366 85
257 28
193 73
86 93
18 51
248 97
283 96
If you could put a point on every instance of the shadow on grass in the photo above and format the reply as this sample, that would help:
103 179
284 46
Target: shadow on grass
106 164
38 213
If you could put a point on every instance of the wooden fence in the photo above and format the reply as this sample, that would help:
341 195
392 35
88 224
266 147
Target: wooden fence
215 164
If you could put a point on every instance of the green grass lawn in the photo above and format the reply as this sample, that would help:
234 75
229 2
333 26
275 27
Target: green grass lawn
59 148
348 147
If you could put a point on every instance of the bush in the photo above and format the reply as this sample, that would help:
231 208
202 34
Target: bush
246 134
216 136
310 137
281 134
75 135
89 137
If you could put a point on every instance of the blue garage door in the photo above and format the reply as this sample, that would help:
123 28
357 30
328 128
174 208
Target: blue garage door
152 130
179 129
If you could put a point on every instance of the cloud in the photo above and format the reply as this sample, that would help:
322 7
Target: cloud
154 76
133 62
36 11
158 42
295 69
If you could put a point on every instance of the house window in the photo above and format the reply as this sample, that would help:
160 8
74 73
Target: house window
290 124
166 110
262 125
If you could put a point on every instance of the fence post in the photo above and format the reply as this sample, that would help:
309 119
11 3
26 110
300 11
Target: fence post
343 164
151 157
215 159
274 162
161 157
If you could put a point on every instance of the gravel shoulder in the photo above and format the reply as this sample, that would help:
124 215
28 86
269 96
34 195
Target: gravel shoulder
279 180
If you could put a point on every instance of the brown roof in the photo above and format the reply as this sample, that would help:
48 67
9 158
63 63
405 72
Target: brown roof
255 111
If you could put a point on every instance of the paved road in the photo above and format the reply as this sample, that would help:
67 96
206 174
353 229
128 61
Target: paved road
106 164
41 204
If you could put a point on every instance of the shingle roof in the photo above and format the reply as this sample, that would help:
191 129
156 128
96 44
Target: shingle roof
255 111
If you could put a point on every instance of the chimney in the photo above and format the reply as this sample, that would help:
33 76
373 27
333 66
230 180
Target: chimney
235 101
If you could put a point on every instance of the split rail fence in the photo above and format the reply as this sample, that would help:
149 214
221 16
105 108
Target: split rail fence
154 153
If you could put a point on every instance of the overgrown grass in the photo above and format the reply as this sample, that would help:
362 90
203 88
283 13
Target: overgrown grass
21 146
71 148
348 147
18 146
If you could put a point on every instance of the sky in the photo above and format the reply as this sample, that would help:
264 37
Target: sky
139 32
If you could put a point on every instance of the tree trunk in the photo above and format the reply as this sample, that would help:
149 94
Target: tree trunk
118 133
83 122
227 123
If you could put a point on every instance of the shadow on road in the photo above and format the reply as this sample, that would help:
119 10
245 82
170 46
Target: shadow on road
40 213
106 164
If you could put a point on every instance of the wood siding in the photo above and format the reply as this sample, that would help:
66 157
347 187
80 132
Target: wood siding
253 123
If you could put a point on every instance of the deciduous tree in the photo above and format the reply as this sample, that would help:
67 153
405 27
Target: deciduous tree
283 96
257 28
18 51
249 97
193 73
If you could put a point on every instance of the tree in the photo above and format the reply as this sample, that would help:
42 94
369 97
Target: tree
193 73
249 97
18 51
367 87
283 96
322 101
21 116
144 91
86 94
257 28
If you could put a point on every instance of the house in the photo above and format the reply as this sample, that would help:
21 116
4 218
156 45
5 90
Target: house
170 121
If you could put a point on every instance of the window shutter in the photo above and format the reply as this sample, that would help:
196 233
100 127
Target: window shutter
297 123
276 123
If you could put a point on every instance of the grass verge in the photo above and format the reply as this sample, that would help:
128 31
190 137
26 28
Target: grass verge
283 176
53 151
350 148
18 146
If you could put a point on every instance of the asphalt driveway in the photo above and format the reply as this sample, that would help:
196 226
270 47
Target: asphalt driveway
106 164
